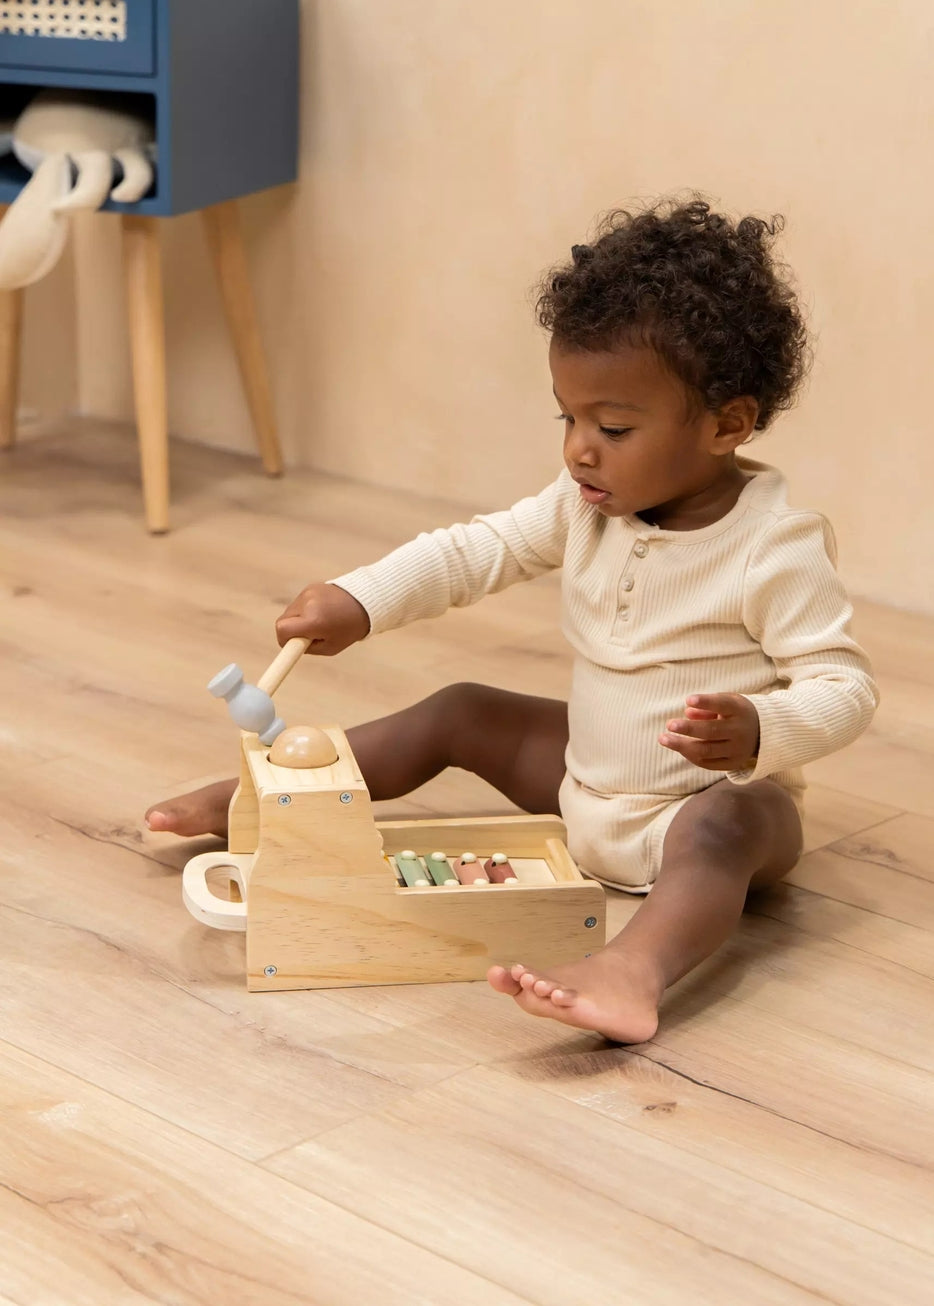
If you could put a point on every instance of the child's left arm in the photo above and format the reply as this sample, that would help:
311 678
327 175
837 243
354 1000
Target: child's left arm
797 610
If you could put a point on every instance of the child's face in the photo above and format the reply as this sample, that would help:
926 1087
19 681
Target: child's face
632 442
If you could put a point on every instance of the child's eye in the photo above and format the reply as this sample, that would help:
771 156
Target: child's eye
615 430
564 417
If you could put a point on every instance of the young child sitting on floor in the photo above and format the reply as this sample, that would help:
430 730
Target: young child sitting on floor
712 650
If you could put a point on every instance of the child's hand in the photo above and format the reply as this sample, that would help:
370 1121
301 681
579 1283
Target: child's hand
719 732
327 616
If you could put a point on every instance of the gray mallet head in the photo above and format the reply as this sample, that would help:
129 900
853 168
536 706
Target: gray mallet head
250 706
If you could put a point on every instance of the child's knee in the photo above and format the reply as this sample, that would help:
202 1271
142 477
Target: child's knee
459 715
734 822
461 706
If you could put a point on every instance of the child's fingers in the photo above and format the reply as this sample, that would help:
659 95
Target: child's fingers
721 704
713 755
708 728
298 628
697 714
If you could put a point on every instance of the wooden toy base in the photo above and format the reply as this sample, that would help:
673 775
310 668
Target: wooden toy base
322 907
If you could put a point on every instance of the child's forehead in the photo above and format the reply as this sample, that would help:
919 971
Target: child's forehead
630 374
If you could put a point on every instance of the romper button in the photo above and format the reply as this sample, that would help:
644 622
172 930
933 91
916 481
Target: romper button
628 583
624 612
640 550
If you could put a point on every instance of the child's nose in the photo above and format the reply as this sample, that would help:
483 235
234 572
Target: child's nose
579 448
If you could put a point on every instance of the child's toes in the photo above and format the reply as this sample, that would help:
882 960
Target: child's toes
563 997
531 1003
544 987
501 979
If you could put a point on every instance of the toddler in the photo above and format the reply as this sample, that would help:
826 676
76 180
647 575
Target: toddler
712 649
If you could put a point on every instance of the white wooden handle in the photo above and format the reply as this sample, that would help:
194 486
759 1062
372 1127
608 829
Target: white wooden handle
204 905
290 653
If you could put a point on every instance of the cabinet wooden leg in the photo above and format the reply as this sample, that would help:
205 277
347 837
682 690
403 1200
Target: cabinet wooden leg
143 270
11 327
225 240
11 332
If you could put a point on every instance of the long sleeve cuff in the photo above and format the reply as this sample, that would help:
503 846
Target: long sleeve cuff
812 718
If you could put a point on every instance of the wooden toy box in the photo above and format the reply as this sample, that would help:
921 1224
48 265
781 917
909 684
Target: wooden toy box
321 905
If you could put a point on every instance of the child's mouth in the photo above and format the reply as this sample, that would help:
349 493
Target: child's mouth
592 494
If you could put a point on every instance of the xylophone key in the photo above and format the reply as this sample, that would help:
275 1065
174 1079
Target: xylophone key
409 865
390 862
499 871
439 868
469 871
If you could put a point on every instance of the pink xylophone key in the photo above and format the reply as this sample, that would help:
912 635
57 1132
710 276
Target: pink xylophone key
468 870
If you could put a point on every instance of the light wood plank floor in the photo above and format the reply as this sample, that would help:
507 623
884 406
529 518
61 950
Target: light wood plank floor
167 1137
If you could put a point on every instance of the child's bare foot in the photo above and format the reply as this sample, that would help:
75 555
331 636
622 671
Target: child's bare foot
611 992
203 811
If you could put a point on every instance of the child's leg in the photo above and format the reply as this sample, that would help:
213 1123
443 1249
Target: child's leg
513 741
727 840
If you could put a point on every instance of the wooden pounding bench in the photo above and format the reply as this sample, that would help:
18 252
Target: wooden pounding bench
315 879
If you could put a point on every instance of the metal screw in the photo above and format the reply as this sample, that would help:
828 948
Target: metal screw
284 800
270 971
590 922
346 798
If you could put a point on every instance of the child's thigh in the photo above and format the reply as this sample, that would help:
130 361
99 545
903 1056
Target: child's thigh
516 742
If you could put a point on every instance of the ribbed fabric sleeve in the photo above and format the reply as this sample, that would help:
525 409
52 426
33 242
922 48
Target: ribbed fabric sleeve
455 566
797 610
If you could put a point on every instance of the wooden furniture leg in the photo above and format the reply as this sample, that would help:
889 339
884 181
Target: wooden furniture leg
142 267
11 326
11 331
225 240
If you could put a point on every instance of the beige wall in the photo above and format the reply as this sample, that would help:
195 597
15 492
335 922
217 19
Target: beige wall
453 149
49 377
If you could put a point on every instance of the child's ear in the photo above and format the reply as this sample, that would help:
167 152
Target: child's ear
736 421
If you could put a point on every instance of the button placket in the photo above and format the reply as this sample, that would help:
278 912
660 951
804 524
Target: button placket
626 586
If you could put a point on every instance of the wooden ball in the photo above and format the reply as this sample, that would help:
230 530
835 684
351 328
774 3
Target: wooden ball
303 746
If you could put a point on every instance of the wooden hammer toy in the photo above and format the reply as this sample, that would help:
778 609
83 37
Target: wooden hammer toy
251 706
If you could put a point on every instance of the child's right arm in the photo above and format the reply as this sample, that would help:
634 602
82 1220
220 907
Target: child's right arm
446 568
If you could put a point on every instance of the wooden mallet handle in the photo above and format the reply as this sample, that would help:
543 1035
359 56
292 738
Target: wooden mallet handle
282 664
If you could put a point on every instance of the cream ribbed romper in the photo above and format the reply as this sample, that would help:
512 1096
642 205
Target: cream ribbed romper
749 605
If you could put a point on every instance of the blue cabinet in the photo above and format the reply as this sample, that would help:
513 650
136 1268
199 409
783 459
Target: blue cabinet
86 36
219 76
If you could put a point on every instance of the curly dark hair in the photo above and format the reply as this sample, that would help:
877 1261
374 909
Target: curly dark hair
701 290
